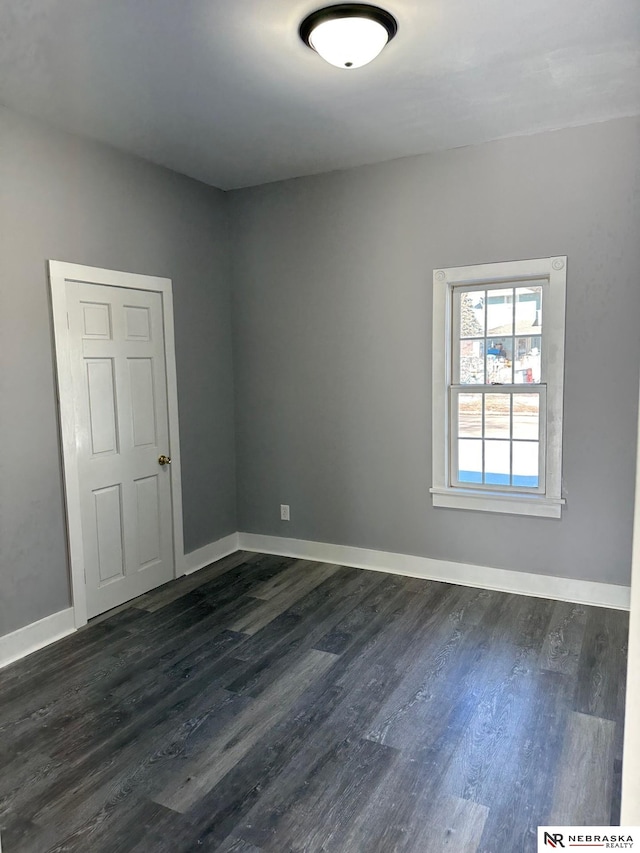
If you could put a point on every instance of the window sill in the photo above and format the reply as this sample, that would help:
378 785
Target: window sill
513 504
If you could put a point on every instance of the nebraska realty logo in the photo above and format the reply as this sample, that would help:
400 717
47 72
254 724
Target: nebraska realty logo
591 837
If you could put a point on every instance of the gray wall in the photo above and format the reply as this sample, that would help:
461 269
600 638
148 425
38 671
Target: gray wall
76 201
332 320
332 314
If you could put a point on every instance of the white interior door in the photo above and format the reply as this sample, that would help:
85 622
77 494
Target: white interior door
117 388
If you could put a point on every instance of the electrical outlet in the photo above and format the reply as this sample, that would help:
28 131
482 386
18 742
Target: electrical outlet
284 512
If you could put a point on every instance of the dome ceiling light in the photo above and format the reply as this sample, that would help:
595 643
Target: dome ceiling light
349 35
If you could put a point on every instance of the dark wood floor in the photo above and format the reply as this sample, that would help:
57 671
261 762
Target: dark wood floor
267 704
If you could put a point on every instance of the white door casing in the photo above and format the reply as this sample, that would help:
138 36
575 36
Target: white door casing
630 807
118 411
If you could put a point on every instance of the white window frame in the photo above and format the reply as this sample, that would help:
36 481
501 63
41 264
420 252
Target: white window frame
547 501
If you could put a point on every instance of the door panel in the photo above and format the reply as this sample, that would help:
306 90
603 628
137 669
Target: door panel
102 405
148 506
143 407
96 320
120 392
137 324
108 506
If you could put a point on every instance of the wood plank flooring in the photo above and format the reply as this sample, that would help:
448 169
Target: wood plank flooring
271 705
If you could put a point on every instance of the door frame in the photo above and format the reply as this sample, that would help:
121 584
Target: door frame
630 808
60 273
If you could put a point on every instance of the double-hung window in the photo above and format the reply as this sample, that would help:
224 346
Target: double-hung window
498 366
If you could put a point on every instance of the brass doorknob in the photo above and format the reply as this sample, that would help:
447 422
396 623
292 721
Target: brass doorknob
164 460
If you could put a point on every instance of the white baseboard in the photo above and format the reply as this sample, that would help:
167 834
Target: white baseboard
502 580
35 636
39 634
197 560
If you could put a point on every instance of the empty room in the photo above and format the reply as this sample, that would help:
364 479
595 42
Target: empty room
319 396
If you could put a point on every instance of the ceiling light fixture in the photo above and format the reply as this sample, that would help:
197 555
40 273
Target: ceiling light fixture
349 35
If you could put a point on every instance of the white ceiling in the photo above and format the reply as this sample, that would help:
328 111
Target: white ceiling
225 91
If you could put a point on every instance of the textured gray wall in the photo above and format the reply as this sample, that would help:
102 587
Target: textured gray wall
332 320
76 201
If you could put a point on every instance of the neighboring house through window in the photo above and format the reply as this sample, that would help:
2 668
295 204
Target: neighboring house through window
498 368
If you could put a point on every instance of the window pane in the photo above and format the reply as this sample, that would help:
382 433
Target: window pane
471 362
528 310
525 464
497 463
526 416
500 313
497 410
527 363
469 460
499 365
470 415
472 314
